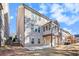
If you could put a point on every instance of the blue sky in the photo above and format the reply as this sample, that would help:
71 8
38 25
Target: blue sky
66 14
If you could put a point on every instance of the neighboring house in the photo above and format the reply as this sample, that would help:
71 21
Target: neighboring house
4 27
67 37
77 38
35 29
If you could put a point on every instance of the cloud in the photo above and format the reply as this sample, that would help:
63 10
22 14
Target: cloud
70 31
65 13
43 8
11 18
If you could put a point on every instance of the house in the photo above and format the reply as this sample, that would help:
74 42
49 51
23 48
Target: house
77 38
4 27
36 29
67 37
29 24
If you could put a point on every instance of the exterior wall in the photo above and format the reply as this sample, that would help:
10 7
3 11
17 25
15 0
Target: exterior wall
77 39
37 21
28 22
25 31
20 25
4 24
67 37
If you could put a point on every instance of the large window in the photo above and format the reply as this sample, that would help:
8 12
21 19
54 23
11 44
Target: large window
32 41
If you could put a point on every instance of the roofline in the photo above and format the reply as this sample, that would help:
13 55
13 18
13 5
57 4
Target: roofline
46 23
65 31
36 12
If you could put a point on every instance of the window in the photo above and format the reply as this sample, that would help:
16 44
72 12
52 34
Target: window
38 41
27 20
49 26
32 41
44 29
34 17
35 30
32 26
39 30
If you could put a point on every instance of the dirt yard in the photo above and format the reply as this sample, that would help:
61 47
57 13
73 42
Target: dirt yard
20 51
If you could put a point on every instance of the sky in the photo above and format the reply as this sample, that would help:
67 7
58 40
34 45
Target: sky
66 14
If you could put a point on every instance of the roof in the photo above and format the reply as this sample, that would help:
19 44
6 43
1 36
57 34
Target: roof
36 12
65 31
77 35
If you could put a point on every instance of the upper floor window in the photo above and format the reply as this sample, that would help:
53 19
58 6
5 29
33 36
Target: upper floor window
27 20
49 26
39 30
32 24
35 30
34 17
44 29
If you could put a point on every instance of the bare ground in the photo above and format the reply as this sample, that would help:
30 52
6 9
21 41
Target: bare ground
20 51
